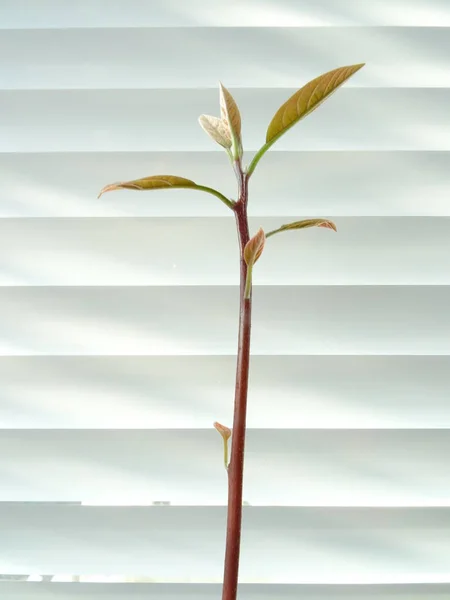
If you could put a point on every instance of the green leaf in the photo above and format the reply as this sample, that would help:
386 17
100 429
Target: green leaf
164 182
232 118
303 225
307 99
302 103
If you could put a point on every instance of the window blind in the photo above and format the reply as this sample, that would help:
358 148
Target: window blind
118 316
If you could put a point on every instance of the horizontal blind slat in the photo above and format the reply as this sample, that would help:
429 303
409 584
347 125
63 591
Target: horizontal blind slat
201 320
192 591
284 467
325 392
170 13
281 545
182 58
134 252
167 120
341 183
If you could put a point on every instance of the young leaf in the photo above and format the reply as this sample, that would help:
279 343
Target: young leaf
252 251
164 182
217 129
303 225
254 247
232 117
224 431
302 103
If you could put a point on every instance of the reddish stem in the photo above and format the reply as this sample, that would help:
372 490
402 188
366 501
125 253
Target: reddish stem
236 466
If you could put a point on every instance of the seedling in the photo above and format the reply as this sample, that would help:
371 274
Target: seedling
226 131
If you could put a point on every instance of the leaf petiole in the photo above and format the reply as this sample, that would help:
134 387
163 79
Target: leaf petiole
225 453
224 199
248 282
257 158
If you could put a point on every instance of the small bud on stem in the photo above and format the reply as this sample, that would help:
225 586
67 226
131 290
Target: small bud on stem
225 432
252 251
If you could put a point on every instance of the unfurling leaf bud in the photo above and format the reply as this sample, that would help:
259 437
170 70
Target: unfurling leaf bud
254 247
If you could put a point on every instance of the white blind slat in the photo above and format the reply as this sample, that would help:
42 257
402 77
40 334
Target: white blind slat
367 251
322 392
192 591
287 467
281 545
167 120
174 58
309 183
287 320
238 13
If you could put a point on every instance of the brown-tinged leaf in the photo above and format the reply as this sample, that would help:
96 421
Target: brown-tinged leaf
303 225
217 129
301 104
156 182
232 117
307 99
230 111
224 431
254 247
164 182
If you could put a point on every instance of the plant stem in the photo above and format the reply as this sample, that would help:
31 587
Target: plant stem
236 466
